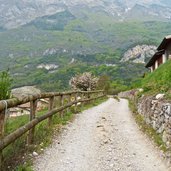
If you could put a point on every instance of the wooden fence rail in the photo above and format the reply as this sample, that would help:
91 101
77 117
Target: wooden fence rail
52 110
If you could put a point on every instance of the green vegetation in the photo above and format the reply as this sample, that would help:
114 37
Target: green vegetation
122 73
16 155
5 85
92 45
157 81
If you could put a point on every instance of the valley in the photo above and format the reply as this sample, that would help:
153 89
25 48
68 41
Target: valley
77 37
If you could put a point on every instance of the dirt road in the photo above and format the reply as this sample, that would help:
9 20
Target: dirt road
103 138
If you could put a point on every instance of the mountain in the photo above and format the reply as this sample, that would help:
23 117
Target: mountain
16 13
46 42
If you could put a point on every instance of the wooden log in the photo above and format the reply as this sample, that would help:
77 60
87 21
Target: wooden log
68 100
51 106
15 102
2 124
61 104
82 98
33 106
1 160
75 107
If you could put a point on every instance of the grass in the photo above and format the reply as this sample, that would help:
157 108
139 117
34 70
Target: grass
147 129
17 155
159 80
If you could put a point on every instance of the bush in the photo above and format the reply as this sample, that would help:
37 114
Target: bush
84 82
5 85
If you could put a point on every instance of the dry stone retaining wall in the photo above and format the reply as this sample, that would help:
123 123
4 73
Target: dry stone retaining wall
156 112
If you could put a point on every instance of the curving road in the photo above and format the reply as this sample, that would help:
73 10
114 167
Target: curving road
103 138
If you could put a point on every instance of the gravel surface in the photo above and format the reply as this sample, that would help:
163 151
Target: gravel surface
103 138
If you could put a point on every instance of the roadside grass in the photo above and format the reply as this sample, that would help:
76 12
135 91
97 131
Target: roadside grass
147 129
18 155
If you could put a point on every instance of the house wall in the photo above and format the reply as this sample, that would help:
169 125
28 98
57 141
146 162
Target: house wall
156 64
164 58
168 51
160 60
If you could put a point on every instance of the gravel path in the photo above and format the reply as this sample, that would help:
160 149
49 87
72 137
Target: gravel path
103 138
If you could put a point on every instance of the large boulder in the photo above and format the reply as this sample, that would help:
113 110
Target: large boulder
25 91
160 96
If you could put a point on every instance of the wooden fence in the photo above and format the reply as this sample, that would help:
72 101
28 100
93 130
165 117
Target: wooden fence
84 96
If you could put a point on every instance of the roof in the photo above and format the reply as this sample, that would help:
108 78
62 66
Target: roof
154 58
164 43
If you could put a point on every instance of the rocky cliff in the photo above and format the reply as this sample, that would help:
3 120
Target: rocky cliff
139 53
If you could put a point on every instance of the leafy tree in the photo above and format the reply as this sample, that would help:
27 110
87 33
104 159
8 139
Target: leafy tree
104 83
84 82
5 85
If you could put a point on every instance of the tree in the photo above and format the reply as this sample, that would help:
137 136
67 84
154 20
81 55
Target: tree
104 83
5 85
84 82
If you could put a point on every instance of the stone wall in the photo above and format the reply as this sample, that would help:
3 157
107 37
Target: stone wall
157 113
129 94
155 110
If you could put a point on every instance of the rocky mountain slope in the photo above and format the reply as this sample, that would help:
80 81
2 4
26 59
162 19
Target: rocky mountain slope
16 13
139 53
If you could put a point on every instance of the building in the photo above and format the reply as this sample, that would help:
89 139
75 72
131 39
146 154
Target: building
162 55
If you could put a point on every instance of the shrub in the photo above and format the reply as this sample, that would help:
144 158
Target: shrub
5 85
84 82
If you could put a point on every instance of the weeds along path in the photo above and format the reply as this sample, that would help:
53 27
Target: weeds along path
103 138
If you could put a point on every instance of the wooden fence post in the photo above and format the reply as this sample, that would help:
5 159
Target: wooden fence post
33 106
69 100
88 97
61 104
51 105
75 107
2 125
82 98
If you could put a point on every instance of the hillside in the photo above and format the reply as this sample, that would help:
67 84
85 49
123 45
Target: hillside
159 80
49 47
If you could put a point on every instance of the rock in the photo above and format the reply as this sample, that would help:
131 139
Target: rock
35 154
129 165
168 144
161 120
156 112
138 53
99 126
104 118
115 159
140 90
164 137
111 165
154 102
41 144
154 125
161 129
160 96
105 141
